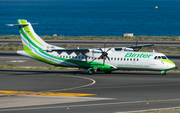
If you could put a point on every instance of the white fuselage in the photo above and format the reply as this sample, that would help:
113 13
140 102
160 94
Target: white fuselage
123 60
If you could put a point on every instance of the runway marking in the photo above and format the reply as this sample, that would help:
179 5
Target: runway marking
162 100
19 61
83 105
86 105
148 110
131 86
9 95
44 93
72 88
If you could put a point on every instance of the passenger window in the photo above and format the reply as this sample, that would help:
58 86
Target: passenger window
66 56
131 59
118 59
63 56
137 59
127 59
114 58
69 56
124 59
111 58
121 59
134 59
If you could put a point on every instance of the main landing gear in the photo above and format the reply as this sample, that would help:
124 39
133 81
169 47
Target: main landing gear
91 72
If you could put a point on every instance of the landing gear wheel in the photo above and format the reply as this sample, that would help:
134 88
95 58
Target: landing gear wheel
91 72
164 74
107 72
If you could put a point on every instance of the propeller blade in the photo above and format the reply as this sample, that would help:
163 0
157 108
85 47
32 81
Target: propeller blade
108 58
108 50
101 50
104 61
136 42
105 45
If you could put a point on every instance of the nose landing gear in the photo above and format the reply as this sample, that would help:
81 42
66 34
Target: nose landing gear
163 72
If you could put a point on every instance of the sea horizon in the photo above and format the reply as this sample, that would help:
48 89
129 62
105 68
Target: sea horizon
93 17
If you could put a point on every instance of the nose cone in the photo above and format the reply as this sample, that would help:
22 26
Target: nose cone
170 64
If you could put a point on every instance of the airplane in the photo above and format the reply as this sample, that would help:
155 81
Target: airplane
94 59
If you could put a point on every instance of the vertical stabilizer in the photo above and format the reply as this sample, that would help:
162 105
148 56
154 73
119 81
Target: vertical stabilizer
29 38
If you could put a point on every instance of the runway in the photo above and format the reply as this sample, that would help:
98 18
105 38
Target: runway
118 92
97 42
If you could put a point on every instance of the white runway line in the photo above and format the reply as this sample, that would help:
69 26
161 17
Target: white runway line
29 101
72 88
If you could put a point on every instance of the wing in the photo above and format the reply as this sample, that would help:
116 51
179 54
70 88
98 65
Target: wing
140 46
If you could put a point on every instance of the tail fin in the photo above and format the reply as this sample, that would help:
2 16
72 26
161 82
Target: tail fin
29 38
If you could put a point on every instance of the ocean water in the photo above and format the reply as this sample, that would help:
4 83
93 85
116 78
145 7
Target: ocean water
93 17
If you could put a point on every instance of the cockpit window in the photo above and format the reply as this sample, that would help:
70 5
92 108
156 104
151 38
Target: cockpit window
164 57
160 57
155 57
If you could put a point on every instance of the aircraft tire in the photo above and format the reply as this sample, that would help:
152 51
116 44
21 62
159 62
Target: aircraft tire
91 72
164 74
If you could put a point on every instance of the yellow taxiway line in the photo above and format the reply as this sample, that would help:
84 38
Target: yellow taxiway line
44 93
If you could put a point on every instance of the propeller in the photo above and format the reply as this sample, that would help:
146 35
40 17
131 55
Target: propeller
136 45
136 41
104 53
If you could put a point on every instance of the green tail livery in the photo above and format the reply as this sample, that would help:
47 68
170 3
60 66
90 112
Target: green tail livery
93 59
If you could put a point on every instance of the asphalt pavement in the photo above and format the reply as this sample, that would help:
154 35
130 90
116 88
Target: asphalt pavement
97 42
117 92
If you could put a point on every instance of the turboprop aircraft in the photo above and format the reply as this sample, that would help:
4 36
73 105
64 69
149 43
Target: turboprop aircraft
103 59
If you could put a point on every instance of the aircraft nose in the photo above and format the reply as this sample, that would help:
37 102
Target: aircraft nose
171 64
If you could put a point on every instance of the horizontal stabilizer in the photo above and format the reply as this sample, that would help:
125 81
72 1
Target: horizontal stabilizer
21 24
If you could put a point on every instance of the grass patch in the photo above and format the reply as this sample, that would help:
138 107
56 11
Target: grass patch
160 49
174 110
49 67
140 37
11 47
